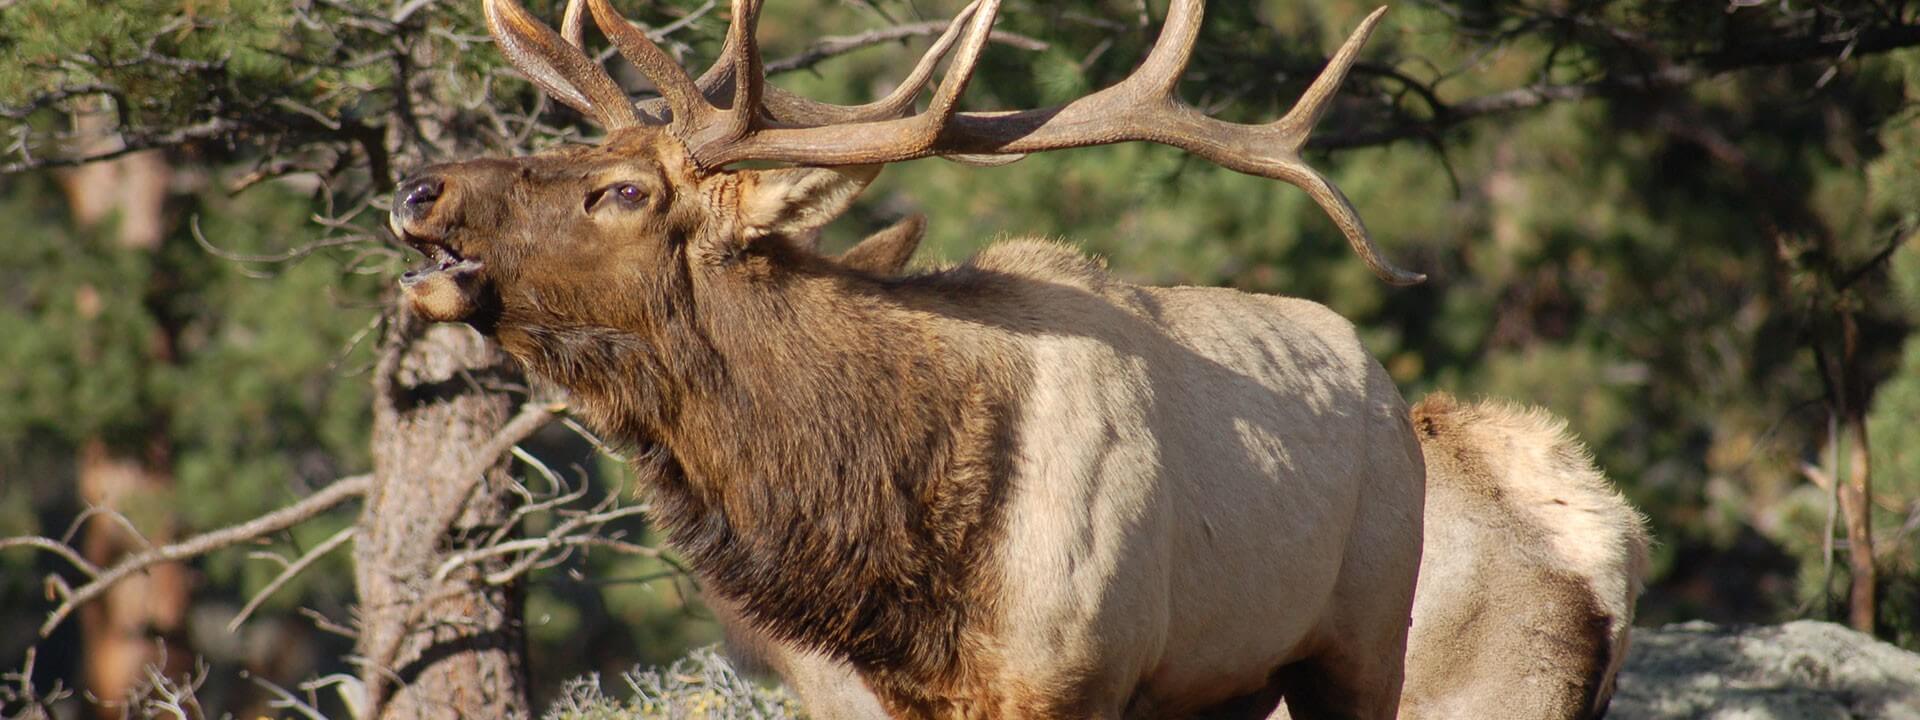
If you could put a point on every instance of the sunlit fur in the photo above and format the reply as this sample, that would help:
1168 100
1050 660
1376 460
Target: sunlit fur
1015 487
1531 565
1531 568
1529 571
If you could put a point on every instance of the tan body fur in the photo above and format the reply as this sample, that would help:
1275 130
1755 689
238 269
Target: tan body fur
1165 553
1529 573
1193 507
1148 523
1530 569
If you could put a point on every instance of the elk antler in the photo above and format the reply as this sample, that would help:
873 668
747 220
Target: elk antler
563 71
763 123
784 107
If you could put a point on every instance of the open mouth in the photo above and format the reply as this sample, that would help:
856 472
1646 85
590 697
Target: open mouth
441 257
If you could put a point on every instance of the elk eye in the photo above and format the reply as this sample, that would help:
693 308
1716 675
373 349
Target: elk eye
630 196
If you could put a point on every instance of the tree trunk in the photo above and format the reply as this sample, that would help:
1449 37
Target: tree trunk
437 648
1858 495
142 621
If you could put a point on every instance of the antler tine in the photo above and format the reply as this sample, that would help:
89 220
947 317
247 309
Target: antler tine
1167 60
960 71
1313 103
738 72
793 110
1292 131
557 67
900 101
1273 150
904 138
1286 136
573 25
748 79
689 106
1143 107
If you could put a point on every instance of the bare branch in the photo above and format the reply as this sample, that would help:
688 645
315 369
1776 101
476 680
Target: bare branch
346 686
56 547
17 692
400 14
1685 71
578 531
598 444
326 624
216 128
289 255
555 484
340 491
532 417
282 698
532 507
176 698
18 112
292 570
660 34
530 420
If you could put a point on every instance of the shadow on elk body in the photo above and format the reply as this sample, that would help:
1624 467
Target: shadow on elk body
1012 488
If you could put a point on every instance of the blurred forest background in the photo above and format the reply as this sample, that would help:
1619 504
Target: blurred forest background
1684 226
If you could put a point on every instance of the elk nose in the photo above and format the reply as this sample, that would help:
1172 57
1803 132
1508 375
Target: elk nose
417 195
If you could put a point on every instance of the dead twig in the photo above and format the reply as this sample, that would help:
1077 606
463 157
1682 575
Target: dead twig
578 531
531 418
56 547
283 699
101 580
17 692
292 570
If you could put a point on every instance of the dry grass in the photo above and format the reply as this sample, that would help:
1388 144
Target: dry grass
701 686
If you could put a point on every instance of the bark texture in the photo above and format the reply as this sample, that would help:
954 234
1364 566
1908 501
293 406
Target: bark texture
438 648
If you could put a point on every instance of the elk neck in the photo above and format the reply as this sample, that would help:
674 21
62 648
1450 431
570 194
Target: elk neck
828 449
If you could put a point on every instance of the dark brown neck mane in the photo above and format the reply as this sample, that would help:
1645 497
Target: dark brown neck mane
824 456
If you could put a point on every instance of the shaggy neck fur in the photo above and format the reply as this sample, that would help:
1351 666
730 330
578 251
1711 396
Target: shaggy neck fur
828 449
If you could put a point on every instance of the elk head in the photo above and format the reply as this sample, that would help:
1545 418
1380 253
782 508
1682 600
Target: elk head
609 235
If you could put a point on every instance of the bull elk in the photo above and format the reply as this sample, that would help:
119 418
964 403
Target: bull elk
1017 487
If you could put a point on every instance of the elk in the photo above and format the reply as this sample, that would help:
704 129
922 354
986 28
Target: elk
1529 571
1016 487
1529 568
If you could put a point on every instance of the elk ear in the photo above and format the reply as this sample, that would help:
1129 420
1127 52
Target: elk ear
887 252
791 202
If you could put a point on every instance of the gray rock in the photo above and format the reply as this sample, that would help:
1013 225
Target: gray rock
1801 670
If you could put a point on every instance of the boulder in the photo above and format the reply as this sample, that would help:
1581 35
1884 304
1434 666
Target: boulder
1802 670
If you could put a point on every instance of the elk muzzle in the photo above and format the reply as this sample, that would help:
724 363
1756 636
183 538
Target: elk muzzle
448 288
